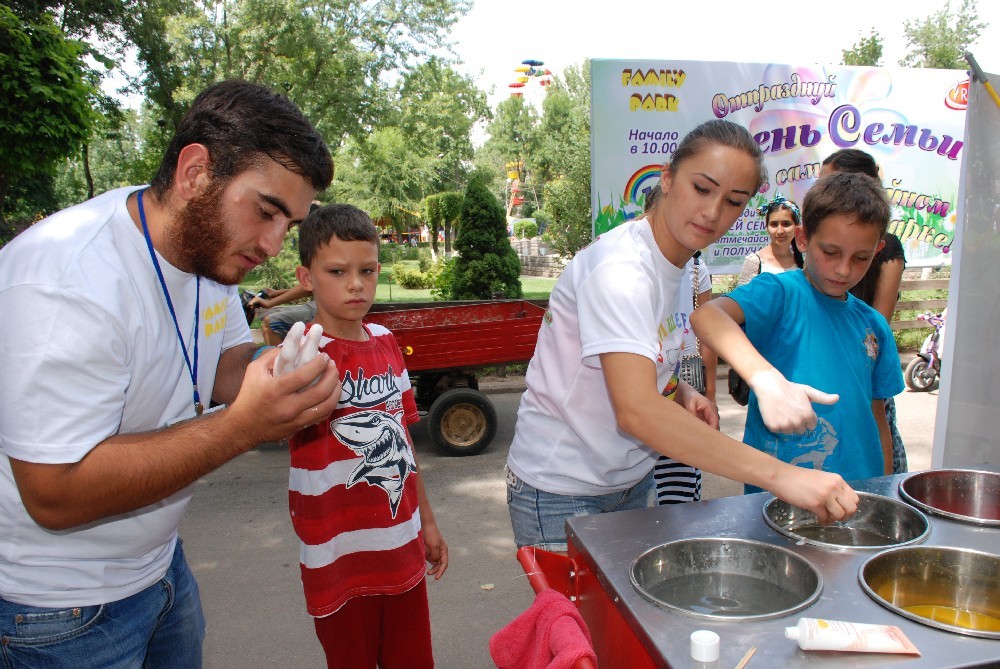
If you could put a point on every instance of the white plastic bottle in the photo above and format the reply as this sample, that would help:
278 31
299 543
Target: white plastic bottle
819 634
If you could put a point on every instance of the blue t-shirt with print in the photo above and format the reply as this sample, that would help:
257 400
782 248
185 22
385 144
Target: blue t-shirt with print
837 346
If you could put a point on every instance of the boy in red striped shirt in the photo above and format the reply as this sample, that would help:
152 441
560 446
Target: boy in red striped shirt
356 499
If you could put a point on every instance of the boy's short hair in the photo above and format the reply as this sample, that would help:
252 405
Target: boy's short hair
242 124
846 193
343 221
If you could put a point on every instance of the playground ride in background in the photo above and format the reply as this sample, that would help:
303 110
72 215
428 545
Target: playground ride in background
924 372
528 71
443 345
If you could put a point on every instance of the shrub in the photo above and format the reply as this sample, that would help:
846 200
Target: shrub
525 229
487 264
411 278
444 277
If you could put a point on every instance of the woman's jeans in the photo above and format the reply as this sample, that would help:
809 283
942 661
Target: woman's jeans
161 627
539 517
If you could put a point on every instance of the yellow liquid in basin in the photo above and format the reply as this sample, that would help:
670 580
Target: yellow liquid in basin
950 615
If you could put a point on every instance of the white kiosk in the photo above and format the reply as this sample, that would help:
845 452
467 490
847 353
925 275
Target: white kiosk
967 428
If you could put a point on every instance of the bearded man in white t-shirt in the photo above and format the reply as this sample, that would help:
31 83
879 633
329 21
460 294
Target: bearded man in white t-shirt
129 327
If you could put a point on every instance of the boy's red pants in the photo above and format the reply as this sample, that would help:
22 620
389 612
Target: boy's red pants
387 631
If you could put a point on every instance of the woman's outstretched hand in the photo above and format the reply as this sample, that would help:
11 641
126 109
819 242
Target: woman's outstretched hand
825 494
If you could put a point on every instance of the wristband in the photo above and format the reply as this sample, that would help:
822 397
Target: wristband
259 352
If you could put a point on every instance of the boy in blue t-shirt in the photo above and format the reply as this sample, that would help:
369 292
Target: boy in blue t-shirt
804 330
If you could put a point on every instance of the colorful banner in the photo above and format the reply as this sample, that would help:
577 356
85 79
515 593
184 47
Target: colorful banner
910 120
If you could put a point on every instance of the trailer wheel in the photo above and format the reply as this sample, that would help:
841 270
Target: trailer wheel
462 421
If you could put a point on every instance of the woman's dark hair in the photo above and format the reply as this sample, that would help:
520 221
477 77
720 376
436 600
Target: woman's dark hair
853 160
240 124
726 133
343 221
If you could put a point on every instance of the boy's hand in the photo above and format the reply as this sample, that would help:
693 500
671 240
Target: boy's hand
436 551
786 407
823 493
297 350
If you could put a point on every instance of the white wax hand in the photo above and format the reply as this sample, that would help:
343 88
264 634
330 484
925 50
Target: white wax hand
786 407
297 350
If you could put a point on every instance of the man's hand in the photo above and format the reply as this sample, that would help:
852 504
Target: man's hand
270 408
786 407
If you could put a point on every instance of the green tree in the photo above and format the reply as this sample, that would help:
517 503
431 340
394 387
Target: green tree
437 110
567 195
119 155
451 213
866 51
382 175
441 211
938 41
487 264
513 134
46 115
332 59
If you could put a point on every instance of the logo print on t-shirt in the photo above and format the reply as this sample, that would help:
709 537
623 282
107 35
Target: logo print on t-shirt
380 438
812 448
871 345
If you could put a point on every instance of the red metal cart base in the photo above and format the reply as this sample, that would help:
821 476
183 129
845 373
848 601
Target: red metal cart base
615 644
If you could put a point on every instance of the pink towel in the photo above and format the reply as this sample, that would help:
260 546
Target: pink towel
551 634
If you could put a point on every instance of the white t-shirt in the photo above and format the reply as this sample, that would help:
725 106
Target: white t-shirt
89 351
686 297
617 295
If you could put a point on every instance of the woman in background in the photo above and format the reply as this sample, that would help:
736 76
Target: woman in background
781 217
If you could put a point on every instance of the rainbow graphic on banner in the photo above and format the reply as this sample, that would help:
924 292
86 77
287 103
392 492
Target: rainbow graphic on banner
642 181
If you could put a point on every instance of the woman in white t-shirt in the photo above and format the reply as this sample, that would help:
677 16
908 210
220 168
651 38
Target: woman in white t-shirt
603 399
781 217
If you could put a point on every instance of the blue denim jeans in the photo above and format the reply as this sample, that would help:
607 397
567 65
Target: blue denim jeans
539 517
161 627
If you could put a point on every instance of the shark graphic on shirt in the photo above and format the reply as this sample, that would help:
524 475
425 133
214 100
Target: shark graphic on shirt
380 439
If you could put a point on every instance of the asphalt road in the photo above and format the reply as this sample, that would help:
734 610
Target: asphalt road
241 547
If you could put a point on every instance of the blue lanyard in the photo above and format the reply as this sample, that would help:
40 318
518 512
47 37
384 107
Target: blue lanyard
192 370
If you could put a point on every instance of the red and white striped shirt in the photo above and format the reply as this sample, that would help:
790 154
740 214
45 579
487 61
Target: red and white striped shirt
352 496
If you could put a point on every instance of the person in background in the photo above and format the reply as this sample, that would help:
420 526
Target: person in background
275 324
676 482
136 325
603 400
879 287
356 498
781 216
804 330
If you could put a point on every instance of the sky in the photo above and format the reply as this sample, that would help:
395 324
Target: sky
495 36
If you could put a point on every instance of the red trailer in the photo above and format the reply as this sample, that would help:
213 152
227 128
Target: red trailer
444 345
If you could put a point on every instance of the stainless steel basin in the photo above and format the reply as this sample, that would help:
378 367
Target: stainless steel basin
960 494
953 589
879 523
726 579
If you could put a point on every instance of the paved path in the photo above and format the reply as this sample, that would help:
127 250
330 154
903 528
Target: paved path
241 547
